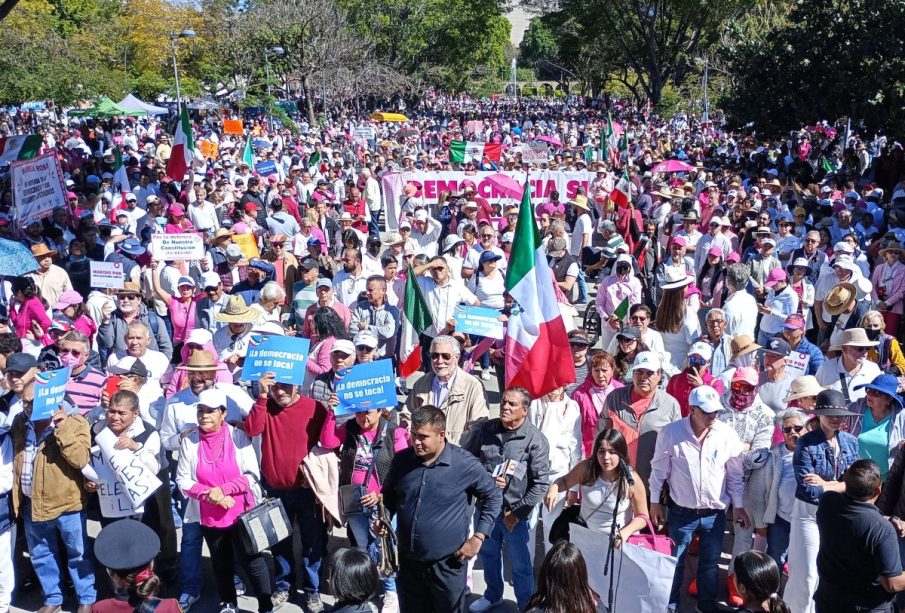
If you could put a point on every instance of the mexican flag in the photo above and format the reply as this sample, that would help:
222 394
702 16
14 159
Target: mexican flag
248 156
183 153
609 145
16 148
621 194
538 357
314 163
462 152
120 176
416 318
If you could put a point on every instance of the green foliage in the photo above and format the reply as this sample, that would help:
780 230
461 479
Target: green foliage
830 59
538 43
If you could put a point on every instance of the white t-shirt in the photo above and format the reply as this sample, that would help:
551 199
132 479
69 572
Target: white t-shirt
583 226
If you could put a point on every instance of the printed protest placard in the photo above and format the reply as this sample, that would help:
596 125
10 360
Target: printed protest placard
535 153
284 356
268 167
177 247
797 364
248 245
479 321
50 388
233 126
38 187
365 387
124 482
107 274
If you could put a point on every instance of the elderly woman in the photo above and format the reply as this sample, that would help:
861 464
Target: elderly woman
876 423
889 286
218 473
851 368
592 393
772 489
181 308
821 457
269 301
231 341
888 352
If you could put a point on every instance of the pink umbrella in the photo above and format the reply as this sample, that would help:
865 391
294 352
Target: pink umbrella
505 184
549 139
672 166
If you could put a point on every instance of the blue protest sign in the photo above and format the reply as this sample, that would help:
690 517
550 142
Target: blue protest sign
285 356
50 388
266 168
365 387
478 321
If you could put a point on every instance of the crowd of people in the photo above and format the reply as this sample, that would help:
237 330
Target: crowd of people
733 329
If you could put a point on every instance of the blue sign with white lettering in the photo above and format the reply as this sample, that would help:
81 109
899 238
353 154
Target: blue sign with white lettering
285 356
50 388
365 387
266 168
478 321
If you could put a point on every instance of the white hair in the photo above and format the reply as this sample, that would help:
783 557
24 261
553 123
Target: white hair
272 291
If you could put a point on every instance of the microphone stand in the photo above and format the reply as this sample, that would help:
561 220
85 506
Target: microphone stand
609 567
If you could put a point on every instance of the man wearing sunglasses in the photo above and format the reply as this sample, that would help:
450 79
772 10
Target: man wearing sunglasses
111 335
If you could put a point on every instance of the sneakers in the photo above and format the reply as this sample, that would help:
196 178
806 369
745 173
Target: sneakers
226 607
735 599
313 603
186 601
485 374
482 604
240 586
278 599
390 603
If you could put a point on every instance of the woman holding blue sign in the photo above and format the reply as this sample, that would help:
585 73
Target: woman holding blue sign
490 285
367 445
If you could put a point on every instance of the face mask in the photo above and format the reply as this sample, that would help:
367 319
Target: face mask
873 334
67 359
745 360
741 400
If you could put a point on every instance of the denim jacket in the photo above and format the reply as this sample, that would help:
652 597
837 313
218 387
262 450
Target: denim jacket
813 454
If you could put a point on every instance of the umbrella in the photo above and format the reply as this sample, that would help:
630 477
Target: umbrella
672 166
15 259
549 139
506 184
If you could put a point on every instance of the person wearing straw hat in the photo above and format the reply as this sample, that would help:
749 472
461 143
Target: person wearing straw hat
803 393
583 228
231 341
889 286
50 279
849 370
844 311
820 459
127 549
111 334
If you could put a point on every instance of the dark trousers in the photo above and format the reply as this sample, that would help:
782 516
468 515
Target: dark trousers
225 547
432 587
301 507
425 341
159 517
824 605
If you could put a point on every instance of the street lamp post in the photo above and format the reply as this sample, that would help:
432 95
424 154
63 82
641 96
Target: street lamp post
188 34
275 52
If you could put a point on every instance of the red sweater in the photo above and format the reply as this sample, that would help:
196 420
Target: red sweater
287 435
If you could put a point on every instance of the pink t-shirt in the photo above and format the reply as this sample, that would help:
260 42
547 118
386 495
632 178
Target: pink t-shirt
332 436
182 316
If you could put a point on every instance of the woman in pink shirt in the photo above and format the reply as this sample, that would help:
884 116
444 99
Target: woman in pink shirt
889 286
71 304
218 472
180 307
592 393
27 312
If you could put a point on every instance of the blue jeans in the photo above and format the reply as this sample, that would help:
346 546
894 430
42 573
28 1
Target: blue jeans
516 543
778 540
582 287
360 527
301 507
43 546
683 524
190 578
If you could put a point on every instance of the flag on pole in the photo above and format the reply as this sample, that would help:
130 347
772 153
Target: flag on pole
416 318
120 176
621 311
609 145
827 165
183 153
314 163
248 156
462 152
16 148
589 155
537 345
621 194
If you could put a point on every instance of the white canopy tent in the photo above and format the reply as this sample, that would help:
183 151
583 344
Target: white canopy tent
132 103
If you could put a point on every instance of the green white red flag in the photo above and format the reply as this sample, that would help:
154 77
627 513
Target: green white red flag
14 148
538 357
183 153
462 152
416 318
621 194
120 176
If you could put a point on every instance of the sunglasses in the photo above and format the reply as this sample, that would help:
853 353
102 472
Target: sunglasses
791 429
742 388
874 393
436 356
641 318
128 296
363 348
715 321
74 352
860 349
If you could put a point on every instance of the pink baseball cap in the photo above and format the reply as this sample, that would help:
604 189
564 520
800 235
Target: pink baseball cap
776 275
795 321
745 374
678 240
733 258
715 251
176 210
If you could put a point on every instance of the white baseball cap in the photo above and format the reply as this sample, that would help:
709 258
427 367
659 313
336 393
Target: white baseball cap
212 398
705 350
705 398
647 360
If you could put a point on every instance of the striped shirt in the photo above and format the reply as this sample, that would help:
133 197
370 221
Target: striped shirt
85 389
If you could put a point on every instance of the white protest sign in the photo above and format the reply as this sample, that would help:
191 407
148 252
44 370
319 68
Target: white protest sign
137 482
535 153
107 274
364 133
37 187
644 577
797 364
169 247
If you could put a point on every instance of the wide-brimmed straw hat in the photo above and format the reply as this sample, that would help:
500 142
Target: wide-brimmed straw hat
742 345
839 298
854 337
199 360
804 386
237 312
675 276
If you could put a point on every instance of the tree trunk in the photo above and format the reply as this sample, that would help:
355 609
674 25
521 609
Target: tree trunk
309 103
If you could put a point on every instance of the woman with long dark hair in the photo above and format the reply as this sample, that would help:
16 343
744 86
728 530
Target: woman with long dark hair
757 581
562 584
678 324
630 345
712 279
329 327
354 581
608 488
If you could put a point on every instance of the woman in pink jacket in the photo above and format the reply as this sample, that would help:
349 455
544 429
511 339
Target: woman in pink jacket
27 312
592 393
889 286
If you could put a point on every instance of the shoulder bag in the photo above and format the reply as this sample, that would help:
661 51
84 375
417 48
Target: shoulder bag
264 525
653 541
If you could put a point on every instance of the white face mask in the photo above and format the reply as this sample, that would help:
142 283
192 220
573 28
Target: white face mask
745 360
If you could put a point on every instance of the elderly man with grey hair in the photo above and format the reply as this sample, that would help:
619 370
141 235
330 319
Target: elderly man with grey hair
740 307
452 390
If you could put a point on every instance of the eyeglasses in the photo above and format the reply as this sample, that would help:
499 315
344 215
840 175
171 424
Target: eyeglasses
874 393
74 352
128 296
578 345
810 240
363 348
791 429
437 356
641 318
742 388
715 321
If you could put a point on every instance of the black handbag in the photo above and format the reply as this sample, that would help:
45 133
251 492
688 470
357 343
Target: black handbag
350 495
264 525
559 531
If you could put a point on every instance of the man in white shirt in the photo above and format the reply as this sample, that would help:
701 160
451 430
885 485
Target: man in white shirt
583 230
442 295
699 457
713 238
351 281
740 307
426 233
138 342
202 213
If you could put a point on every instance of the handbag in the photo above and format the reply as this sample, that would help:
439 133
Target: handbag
560 529
350 495
263 525
653 541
